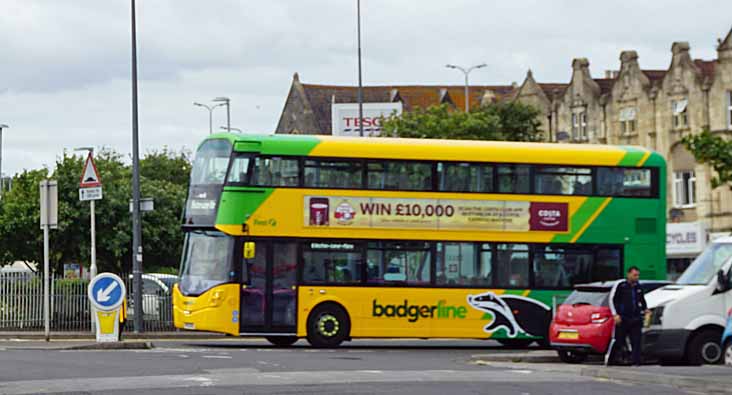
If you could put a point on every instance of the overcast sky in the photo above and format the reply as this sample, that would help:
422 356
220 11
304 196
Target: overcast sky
65 64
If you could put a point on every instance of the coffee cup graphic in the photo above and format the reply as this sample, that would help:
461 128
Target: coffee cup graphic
319 211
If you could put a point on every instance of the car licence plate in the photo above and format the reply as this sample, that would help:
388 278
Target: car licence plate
568 335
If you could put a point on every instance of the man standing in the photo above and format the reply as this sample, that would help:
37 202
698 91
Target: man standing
629 307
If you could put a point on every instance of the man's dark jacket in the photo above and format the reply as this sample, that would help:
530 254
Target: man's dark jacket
629 301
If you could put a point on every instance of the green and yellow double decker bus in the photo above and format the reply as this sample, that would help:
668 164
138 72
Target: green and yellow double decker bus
332 239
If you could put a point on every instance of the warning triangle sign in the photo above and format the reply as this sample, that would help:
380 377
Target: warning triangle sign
90 176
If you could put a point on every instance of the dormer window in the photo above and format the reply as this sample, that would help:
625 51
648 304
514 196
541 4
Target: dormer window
579 125
628 120
679 114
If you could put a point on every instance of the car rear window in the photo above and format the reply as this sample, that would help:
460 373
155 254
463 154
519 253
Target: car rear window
594 298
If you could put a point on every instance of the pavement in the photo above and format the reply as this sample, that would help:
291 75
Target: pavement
252 366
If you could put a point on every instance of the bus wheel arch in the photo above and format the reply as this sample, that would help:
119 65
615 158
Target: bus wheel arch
704 347
328 325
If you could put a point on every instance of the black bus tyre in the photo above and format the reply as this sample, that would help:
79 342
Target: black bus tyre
328 326
516 343
571 356
282 341
704 348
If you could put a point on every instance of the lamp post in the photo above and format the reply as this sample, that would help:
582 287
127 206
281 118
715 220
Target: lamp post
225 101
360 85
210 113
2 180
136 225
230 129
466 72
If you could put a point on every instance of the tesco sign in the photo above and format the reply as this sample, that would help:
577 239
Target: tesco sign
345 121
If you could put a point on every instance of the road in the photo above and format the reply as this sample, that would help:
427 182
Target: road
254 367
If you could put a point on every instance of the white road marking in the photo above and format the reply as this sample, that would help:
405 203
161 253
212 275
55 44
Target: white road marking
217 356
246 376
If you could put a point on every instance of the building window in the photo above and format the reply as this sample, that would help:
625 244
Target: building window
729 110
684 188
579 126
679 113
627 121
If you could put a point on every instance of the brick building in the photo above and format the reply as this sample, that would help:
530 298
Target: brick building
630 106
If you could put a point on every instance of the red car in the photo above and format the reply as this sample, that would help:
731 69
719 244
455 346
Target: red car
583 323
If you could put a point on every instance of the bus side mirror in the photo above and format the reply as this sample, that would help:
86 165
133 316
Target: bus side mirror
250 250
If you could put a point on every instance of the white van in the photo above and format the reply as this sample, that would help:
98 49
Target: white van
688 317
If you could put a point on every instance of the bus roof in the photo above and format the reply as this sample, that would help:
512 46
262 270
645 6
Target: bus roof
448 150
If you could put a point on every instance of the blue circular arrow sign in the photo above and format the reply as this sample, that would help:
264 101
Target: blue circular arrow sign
106 291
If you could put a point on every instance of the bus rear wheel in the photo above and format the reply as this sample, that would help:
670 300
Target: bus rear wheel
328 326
282 341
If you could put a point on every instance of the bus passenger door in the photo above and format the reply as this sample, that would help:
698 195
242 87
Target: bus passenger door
268 296
253 290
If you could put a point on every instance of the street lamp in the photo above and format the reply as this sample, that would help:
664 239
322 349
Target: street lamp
136 220
2 180
210 113
360 81
230 129
227 102
466 72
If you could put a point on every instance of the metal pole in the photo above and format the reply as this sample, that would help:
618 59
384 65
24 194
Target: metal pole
467 102
93 265
136 226
228 115
46 295
360 84
210 120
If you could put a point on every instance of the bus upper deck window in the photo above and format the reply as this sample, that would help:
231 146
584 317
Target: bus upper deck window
211 163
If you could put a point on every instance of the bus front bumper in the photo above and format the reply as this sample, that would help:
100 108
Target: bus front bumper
216 310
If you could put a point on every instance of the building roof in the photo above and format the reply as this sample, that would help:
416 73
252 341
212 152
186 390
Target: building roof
706 67
606 84
320 97
550 89
654 75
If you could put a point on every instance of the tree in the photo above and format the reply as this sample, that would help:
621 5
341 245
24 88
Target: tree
714 150
509 121
164 177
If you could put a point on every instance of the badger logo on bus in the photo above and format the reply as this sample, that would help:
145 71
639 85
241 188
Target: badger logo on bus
515 314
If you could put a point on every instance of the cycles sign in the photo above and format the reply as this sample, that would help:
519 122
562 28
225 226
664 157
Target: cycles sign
489 215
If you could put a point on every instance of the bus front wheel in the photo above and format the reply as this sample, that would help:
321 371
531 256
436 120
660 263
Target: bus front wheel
282 341
328 326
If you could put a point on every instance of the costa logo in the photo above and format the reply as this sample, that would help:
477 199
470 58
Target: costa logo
549 216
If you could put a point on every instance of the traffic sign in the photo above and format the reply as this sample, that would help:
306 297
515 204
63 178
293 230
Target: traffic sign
94 193
90 176
107 292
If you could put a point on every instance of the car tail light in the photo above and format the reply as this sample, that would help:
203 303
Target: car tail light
597 318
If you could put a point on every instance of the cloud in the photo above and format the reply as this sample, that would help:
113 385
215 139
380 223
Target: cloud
64 74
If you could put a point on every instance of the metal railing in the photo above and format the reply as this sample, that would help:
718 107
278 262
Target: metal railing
21 304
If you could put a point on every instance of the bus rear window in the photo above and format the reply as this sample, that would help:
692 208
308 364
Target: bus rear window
599 297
